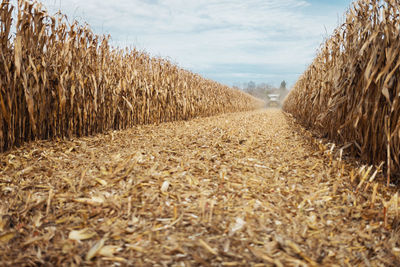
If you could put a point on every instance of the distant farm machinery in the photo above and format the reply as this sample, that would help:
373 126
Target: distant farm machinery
273 100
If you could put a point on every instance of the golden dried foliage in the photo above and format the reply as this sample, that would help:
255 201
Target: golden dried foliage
239 189
60 80
351 91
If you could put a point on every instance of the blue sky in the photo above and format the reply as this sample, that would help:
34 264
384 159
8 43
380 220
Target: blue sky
230 41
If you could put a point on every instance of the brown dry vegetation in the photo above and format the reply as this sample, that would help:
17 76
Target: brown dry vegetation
61 80
239 189
351 91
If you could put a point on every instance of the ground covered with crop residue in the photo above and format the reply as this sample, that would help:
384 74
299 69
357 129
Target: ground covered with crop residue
242 189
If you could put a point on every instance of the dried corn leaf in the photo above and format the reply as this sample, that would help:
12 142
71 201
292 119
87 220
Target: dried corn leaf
82 234
95 249
109 251
6 237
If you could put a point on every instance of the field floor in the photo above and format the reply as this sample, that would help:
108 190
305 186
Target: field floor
242 189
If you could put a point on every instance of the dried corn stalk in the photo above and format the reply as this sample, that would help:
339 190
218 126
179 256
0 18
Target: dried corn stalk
60 80
350 93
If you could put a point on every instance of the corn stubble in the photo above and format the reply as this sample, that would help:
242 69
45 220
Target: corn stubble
60 80
350 93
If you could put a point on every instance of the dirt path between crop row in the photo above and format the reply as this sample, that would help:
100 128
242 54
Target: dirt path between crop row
243 189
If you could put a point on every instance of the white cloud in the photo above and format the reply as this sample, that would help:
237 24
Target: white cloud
201 34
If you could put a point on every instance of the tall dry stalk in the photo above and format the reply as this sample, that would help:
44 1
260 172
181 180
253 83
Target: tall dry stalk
350 93
59 79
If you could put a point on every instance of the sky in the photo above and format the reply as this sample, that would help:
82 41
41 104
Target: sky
230 41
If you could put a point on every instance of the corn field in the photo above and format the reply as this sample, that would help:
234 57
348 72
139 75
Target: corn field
60 80
350 93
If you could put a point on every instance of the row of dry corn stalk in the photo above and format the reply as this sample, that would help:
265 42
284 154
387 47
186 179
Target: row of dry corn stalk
59 80
350 93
